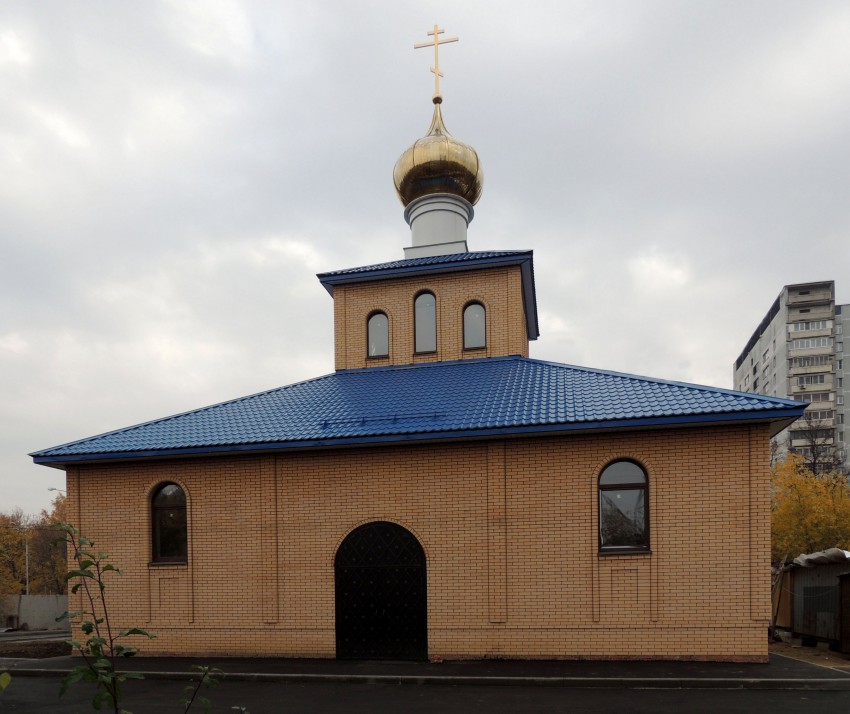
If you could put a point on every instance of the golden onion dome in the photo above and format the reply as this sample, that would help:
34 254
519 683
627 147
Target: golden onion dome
438 163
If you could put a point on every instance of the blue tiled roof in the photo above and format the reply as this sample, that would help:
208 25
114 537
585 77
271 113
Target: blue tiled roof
438 264
440 400
433 260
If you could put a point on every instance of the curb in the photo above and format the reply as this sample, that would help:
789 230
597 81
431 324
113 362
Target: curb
822 684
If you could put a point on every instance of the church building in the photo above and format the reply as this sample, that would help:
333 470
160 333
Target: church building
440 495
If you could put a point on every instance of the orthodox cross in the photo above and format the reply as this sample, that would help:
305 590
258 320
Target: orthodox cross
436 45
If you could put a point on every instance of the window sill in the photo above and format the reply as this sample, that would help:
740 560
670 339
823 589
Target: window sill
422 354
169 564
372 357
483 348
624 551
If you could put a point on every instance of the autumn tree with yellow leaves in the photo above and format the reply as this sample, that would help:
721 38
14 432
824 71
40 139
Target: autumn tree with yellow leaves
809 512
20 532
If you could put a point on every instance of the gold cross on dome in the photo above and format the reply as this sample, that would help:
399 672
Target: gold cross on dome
436 45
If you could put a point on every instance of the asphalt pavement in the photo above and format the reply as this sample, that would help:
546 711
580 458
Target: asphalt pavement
780 673
327 686
39 694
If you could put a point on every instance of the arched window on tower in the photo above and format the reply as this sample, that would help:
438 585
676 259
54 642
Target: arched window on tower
378 335
474 326
168 524
425 322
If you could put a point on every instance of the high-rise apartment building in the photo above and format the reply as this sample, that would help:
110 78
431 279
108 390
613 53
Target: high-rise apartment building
797 351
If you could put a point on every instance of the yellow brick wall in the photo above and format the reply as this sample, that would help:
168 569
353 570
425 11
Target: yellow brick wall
509 529
498 289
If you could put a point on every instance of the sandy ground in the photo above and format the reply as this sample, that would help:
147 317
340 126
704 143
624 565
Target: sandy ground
821 654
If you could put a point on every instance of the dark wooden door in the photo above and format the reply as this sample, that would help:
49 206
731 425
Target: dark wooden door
381 600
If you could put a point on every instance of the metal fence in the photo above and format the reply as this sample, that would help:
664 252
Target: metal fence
817 601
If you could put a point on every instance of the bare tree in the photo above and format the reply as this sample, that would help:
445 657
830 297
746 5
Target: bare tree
818 444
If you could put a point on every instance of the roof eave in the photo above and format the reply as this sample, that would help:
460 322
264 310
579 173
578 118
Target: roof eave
778 419
332 279
780 424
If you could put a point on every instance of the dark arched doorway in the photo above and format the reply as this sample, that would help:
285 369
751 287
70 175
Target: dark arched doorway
381 602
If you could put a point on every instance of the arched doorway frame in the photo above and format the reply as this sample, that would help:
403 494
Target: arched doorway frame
380 592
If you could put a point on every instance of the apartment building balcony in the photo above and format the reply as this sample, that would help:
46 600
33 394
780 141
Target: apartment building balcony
815 423
801 334
828 368
815 312
808 351
810 293
825 386
797 443
815 400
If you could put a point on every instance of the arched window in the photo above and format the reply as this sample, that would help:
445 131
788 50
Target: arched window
474 326
168 524
623 517
378 335
425 322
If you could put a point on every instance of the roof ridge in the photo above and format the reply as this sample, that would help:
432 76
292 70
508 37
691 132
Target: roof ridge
658 380
198 410
436 363
247 397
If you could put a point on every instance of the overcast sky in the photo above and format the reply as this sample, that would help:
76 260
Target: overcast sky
174 173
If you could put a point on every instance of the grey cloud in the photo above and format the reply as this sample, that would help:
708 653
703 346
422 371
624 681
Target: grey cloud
163 162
